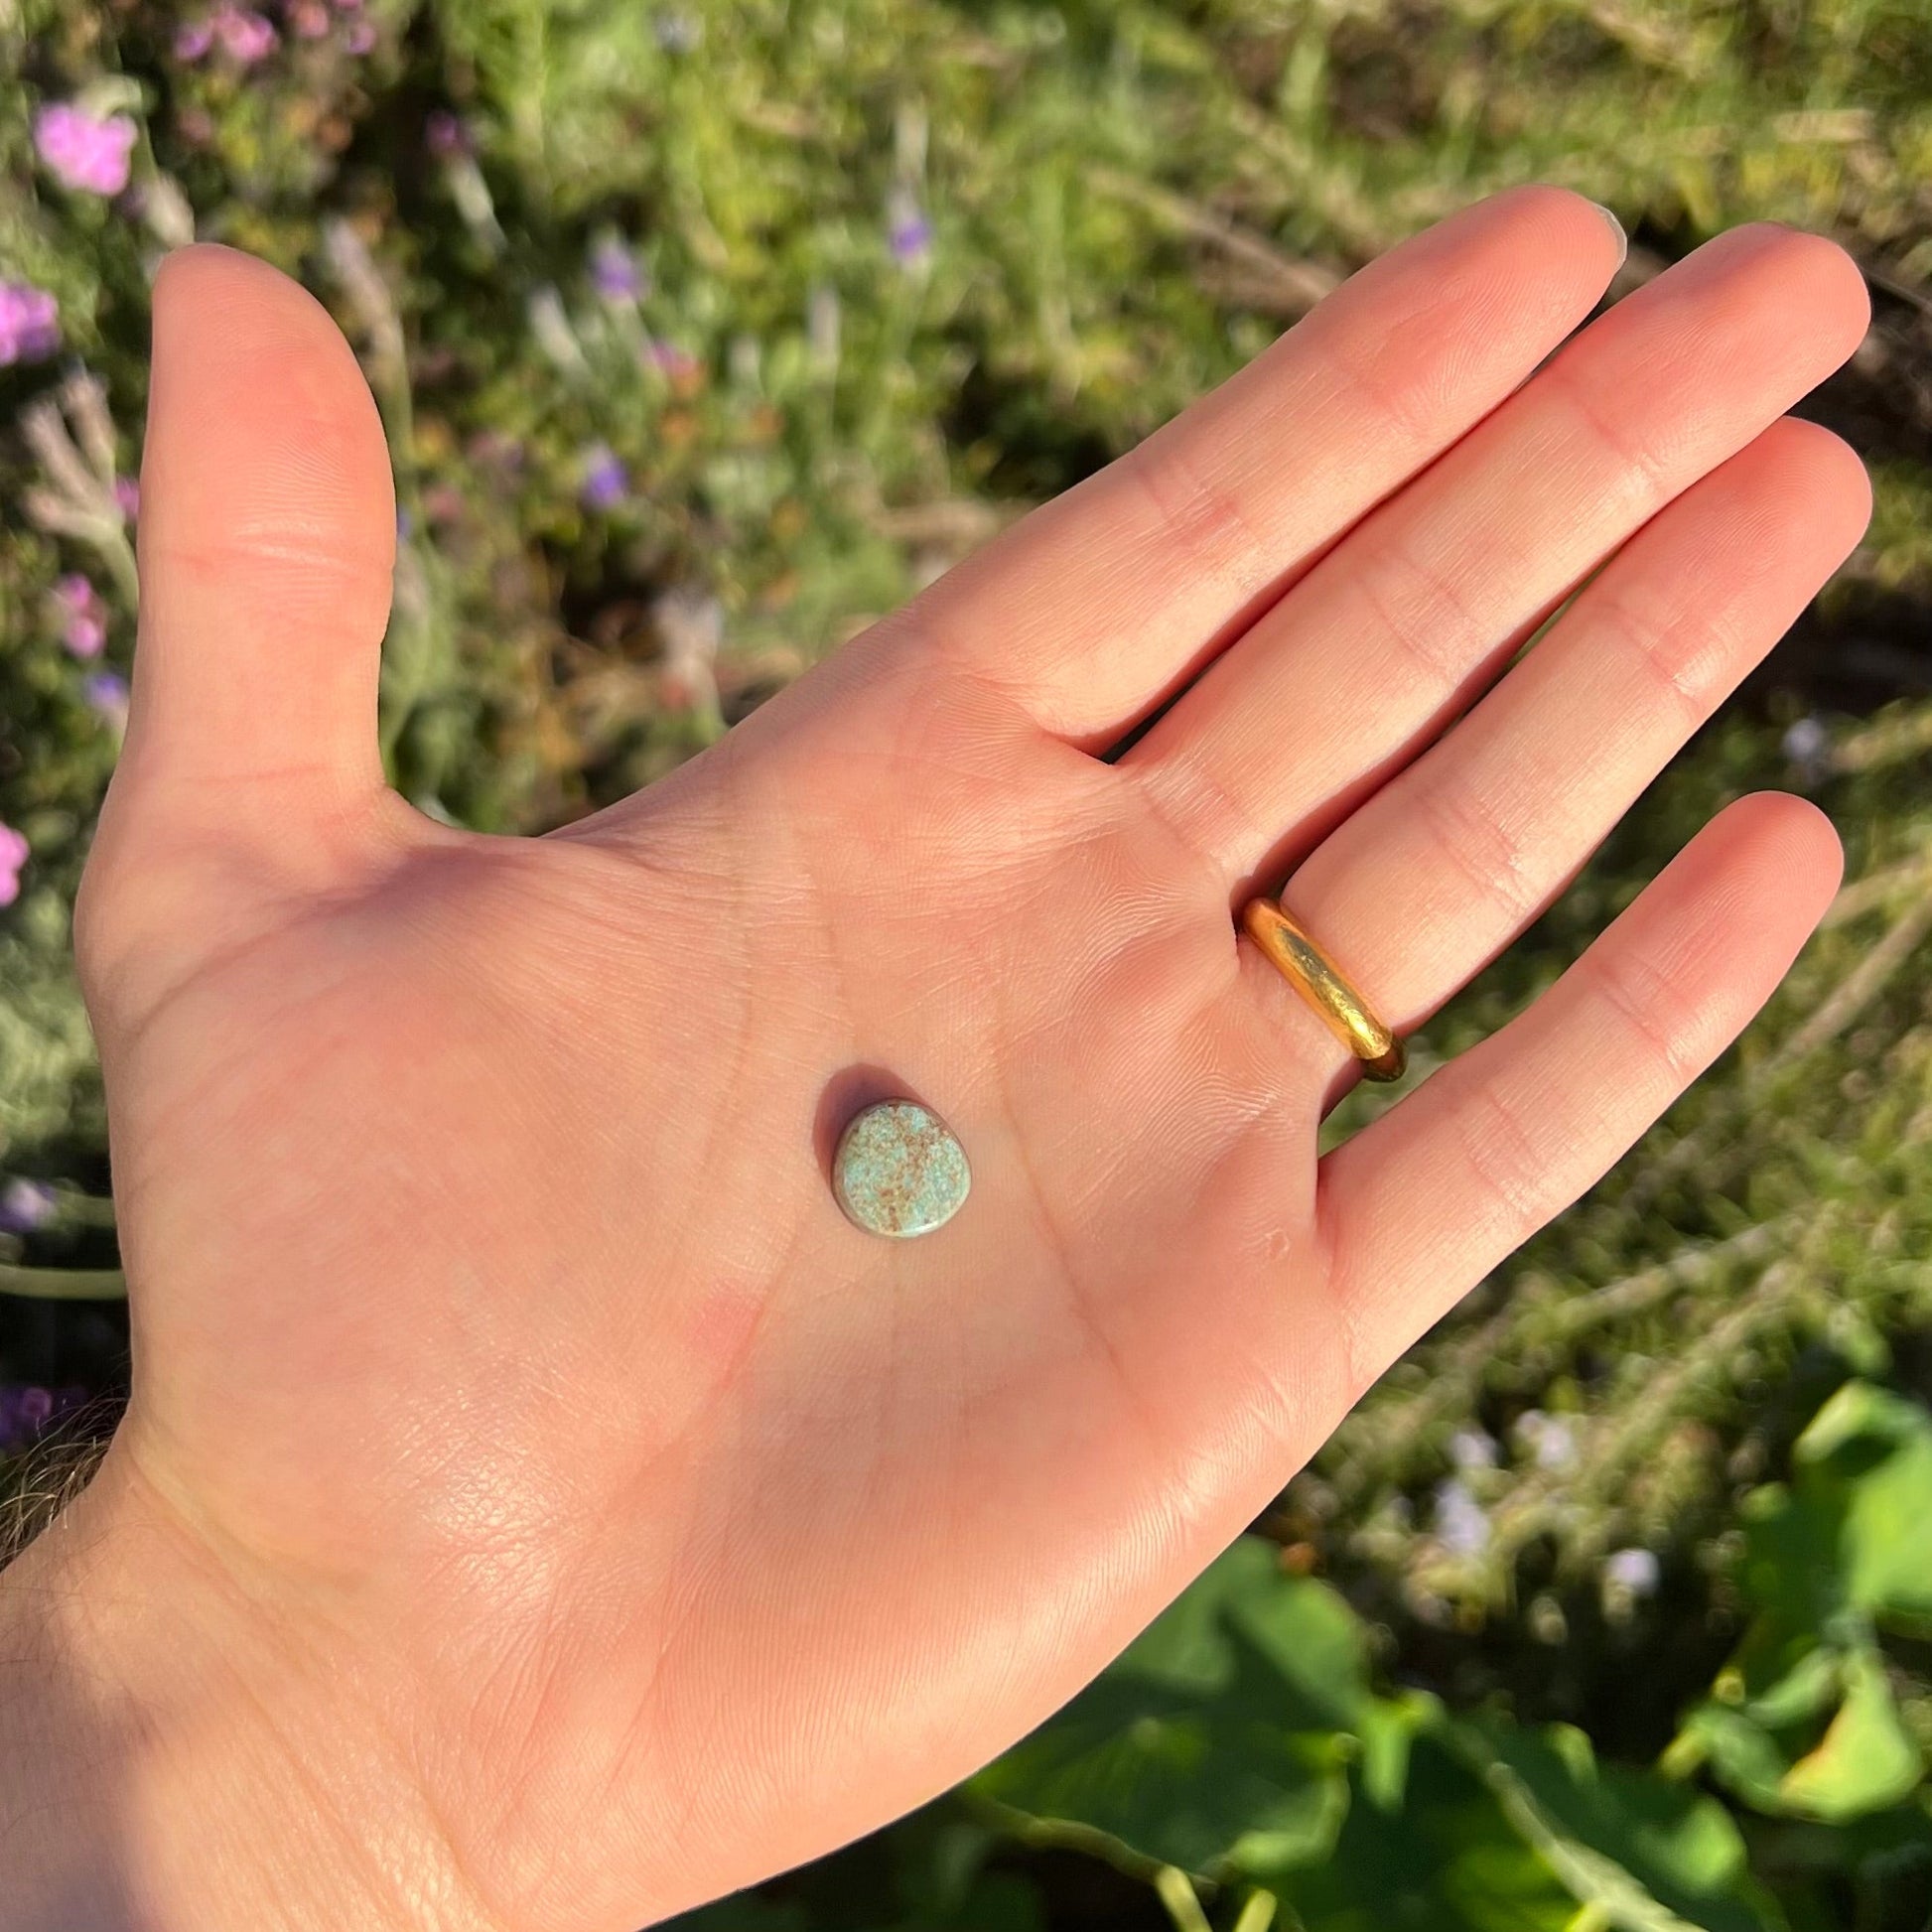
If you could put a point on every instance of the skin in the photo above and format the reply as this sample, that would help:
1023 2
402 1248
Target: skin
539 1508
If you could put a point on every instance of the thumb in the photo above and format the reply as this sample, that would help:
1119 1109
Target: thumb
266 539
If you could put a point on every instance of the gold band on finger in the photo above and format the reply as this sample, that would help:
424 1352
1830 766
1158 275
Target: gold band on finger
1321 983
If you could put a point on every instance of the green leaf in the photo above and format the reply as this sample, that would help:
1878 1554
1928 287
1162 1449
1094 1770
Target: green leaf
1853 1531
1867 1759
1802 1720
1448 1859
1867 1455
1786 1683
1205 1780
1741 1754
1644 1854
1302 1631
1218 1741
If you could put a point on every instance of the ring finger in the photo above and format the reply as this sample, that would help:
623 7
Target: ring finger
1434 875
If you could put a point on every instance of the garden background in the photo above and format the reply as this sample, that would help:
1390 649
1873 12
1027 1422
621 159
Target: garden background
704 335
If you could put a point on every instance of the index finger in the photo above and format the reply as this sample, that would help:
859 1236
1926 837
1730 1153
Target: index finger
1104 602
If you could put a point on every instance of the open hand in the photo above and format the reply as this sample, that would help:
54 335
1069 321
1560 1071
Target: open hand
539 1508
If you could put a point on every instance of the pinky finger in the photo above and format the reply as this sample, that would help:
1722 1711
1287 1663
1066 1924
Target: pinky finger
1424 1201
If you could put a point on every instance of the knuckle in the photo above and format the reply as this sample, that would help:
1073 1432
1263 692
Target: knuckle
1404 403
1471 836
1206 520
1421 612
1681 680
1668 1028
1509 1166
1626 457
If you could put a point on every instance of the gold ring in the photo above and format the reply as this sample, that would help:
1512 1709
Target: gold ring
1321 983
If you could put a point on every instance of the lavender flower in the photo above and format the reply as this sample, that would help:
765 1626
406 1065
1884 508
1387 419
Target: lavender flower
1808 746
446 136
907 232
13 856
606 481
84 617
1461 1524
30 325
128 494
26 1408
81 148
245 36
193 39
1806 741
1472 1449
361 39
26 1205
1633 1569
107 694
616 272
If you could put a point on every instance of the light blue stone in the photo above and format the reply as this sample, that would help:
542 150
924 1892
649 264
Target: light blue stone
898 1171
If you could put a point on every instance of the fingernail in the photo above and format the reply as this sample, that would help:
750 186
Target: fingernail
1616 229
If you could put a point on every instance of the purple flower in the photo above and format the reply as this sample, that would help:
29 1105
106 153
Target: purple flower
361 39
606 481
193 39
1805 740
1636 1571
85 634
83 150
1808 745
245 36
447 136
26 1205
107 694
1461 1526
29 326
13 856
907 232
84 617
1472 1449
128 494
26 1409
614 271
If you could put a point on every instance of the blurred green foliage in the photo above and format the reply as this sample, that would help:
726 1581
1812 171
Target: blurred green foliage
1608 1606
1240 1740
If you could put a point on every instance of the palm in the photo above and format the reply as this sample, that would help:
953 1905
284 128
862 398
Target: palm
497 1328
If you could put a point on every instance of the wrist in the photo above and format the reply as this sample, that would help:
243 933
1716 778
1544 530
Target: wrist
168 1759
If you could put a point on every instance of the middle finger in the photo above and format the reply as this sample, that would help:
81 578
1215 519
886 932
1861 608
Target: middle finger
1403 624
